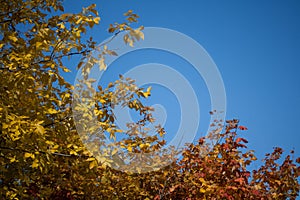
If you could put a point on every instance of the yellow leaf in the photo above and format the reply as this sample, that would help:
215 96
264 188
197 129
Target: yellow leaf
29 155
79 20
128 40
52 66
72 152
119 130
13 38
40 129
148 90
96 20
202 190
64 16
131 42
77 33
5 126
67 95
129 149
35 163
51 111
112 135
49 142
141 34
40 122
114 151
91 159
93 164
102 64
102 101
129 12
61 25
101 159
91 6
144 145
66 70
98 112
137 34
38 44
147 93
12 159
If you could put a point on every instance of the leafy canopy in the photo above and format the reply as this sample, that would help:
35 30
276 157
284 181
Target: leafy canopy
42 155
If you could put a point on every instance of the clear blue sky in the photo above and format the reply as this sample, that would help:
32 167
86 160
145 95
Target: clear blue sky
255 44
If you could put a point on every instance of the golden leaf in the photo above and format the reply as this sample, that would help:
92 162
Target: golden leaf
52 111
66 69
12 159
38 44
96 20
40 129
91 159
93 164
202 190
35 163
72 152
129 149
102 64
13 38
29 155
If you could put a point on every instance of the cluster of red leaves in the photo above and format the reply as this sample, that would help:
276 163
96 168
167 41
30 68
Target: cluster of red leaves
223 174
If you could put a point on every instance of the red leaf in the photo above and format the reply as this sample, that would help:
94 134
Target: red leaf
239 180
256 192
243 128
244 140
247 174
238 140
201 140
241 139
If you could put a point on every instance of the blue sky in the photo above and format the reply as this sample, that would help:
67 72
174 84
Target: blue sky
255 44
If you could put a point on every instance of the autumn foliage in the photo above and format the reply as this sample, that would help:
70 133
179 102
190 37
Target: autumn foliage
42 154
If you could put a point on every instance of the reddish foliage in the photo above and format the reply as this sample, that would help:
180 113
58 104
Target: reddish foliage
243 128
223 174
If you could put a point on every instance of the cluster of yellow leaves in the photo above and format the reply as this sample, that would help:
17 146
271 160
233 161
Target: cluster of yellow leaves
122 92
132 35
41 153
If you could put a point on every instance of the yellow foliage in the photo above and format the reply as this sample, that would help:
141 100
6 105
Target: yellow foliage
29 155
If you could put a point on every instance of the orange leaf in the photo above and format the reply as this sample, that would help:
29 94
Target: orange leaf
239 180
241 139
243 128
